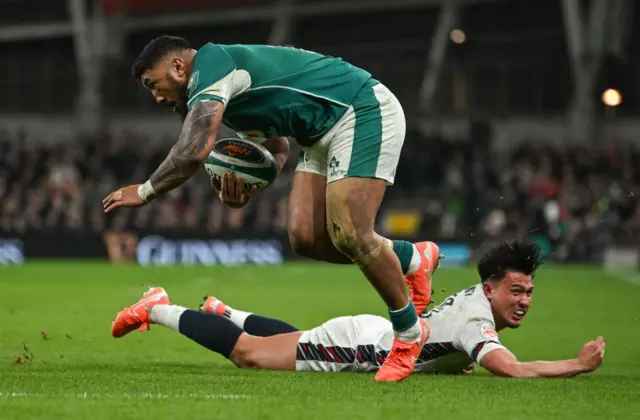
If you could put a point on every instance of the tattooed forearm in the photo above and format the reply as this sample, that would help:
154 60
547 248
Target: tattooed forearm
193 147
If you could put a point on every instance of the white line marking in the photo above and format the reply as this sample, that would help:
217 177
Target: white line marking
628 276
85 395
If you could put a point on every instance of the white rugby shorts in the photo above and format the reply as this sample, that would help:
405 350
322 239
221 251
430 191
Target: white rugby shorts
349 343
365 142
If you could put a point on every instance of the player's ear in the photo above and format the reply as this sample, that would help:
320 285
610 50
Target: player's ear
178 66
487 288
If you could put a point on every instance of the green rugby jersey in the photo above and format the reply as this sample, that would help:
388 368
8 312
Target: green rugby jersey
275 91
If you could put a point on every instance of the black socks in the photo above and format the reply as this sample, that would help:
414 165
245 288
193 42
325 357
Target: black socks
211 331
266 327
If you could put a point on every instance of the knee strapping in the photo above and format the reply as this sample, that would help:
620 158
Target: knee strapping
343 236
364 259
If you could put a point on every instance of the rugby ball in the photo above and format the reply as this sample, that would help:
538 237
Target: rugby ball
249 160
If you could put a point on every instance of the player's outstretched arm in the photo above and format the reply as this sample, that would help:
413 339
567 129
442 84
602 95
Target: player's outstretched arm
196 141
502 362
194 145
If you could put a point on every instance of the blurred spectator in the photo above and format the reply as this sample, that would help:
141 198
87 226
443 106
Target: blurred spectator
573 200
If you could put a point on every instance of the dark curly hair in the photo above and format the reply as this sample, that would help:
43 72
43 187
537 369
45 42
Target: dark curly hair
522 257
155 50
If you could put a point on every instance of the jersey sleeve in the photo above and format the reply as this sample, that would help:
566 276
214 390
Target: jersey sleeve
215 76
477 337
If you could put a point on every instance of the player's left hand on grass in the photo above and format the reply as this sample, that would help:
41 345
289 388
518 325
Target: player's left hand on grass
592 354
231 190
123 197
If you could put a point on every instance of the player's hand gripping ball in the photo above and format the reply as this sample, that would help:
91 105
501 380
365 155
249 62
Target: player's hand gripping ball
239 169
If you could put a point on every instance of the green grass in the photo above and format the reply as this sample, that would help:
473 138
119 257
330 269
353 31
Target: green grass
80 372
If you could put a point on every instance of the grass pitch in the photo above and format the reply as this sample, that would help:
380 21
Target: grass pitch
58 360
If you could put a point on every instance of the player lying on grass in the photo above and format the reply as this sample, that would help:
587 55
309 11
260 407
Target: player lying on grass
463 329
351 128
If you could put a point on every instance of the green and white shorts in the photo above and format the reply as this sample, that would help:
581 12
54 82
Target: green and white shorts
364 143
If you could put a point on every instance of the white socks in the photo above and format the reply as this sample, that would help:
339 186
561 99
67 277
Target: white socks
167 315
415 261
412 335
236 316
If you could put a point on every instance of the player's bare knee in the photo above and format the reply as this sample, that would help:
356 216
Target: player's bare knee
245 360
303 240
243 354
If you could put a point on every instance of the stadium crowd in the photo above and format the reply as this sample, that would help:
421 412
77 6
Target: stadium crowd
577 197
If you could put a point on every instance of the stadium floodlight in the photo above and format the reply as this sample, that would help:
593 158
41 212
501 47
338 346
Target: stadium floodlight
458 36
611 97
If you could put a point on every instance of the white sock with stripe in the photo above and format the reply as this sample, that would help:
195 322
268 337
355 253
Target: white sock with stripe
167 315
236 316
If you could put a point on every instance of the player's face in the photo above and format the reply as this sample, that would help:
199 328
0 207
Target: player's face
510 299
167 81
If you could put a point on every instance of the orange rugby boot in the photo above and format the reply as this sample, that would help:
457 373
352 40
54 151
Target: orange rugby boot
403 356
420 282
136 316
213 305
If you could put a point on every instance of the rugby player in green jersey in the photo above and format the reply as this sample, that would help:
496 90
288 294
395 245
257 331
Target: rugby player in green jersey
351 129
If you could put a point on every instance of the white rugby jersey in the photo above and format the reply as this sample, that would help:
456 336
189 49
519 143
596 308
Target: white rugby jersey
462 330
